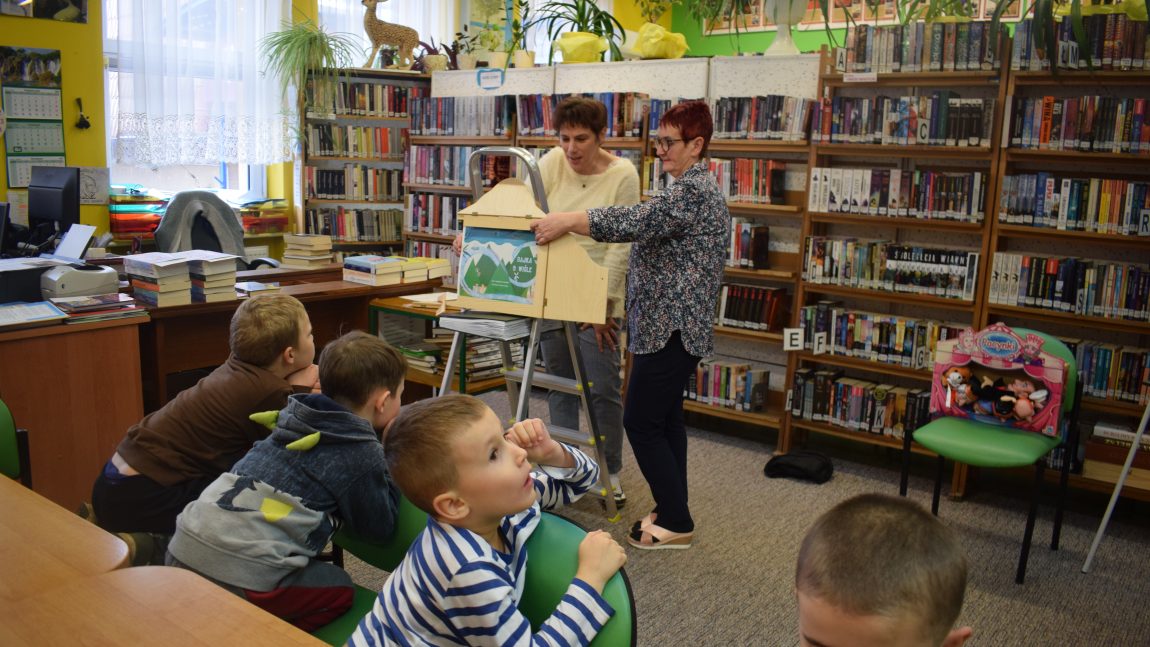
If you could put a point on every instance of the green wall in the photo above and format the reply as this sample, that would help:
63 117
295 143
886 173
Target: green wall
748 42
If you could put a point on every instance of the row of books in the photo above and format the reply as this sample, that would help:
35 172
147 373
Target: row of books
367 142
1056 201
859 405
873 336
435 214
773 117
447 165
462 116
625 112
308 250
346 97
1086 123
753 180
346 224
656 108
372 269
750 245
1115 43
1110 443
918 47
652 178
753 307
921 193
1094 288
1114 371
941 118
354 182
729 384
882 265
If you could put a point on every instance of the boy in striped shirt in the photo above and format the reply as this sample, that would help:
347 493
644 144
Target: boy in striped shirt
463 576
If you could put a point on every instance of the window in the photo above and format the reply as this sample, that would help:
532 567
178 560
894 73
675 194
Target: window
188 103
430 19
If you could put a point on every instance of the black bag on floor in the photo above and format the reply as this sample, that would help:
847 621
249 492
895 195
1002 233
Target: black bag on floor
800 464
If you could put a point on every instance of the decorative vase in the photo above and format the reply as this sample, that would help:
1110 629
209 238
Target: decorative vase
435 63
523 58
581 47
465 61
785 13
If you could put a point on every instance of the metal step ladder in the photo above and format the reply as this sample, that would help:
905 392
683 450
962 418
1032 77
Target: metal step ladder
520 380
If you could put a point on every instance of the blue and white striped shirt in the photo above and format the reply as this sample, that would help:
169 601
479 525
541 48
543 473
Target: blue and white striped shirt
454 588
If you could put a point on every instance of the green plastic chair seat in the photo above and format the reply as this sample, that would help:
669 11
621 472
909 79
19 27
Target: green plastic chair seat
983 445
338 631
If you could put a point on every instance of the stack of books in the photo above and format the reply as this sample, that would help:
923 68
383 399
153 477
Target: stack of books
370 269
436 267
414 269
422 356
493 325
483 358
307 250
252 288
158 279
213 275
100 307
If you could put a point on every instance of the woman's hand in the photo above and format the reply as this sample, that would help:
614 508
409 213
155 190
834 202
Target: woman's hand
457 244
605 334
554 225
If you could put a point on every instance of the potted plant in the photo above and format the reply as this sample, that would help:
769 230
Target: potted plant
652 10
430 60
709 13
572 21
462 50
517 47
490 52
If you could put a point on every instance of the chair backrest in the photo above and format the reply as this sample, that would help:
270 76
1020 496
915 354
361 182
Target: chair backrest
552 560
201 220
409 522
13 448
1018 378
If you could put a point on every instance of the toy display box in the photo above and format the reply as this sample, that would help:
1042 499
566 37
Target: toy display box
998 377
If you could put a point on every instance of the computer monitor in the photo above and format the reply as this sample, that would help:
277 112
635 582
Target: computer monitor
53 201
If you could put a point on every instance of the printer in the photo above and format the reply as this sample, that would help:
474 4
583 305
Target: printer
78 280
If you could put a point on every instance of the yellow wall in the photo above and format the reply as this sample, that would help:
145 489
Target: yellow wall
628 14
82 75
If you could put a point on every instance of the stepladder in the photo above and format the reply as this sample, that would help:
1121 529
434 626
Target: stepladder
522 379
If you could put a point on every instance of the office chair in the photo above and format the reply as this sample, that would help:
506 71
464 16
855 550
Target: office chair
202 220
15 459
553 558
980 444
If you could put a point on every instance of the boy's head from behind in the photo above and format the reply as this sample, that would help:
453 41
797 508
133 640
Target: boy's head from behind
365 374
880 570
449 457
272 331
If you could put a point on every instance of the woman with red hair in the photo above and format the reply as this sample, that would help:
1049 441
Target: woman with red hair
679 244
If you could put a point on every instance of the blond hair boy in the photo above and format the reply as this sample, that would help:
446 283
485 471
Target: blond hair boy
877 570
463 577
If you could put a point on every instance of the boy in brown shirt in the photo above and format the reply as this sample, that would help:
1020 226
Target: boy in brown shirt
170 456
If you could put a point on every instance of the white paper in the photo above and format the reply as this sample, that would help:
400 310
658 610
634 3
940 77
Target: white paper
94 181
18 206
433 297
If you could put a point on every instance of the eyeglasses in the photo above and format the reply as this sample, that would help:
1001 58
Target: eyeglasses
665 143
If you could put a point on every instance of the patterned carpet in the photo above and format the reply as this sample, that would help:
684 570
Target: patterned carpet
734 586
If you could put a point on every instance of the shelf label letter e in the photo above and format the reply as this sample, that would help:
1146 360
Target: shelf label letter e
792 339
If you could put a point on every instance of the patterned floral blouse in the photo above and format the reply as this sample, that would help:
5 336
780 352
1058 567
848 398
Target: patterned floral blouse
680 241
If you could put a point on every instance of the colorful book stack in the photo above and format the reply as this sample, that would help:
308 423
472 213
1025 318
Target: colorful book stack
100 307
414 269
307 250
159 279
213 275
370 269
436 267
422 356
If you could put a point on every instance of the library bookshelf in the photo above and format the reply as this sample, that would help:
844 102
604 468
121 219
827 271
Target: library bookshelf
353 138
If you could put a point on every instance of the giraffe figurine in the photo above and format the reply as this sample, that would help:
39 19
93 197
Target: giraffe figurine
405 39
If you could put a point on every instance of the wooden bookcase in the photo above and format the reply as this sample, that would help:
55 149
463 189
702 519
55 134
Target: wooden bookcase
341 131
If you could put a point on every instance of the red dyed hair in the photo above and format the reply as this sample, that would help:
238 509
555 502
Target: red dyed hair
693 119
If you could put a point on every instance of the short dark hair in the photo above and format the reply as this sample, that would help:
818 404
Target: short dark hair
693 119
581 111
878 555
418 446
264 326
354 366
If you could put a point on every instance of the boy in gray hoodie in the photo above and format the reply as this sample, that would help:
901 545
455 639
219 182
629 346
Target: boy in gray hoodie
257 529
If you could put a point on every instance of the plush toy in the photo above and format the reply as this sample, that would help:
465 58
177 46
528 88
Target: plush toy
957 380
1028 398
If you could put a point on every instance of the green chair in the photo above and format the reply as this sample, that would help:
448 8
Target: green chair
15 461
554 555
986 445
410 521
553 558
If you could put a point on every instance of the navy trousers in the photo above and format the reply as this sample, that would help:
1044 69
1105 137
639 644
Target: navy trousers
653 418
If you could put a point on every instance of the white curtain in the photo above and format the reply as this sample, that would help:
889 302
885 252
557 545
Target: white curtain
186 83
432 19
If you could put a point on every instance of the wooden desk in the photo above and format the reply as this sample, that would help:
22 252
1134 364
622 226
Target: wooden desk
146 605
77 390
333 272
44 546
181 338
